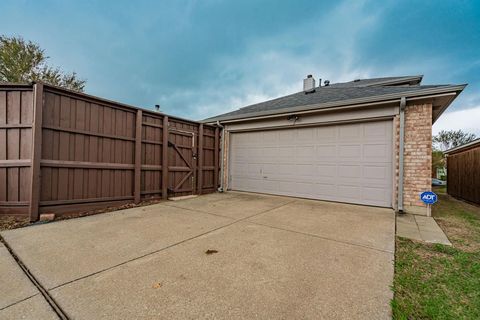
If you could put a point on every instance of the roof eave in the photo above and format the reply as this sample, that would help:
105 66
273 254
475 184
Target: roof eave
445 107
342 103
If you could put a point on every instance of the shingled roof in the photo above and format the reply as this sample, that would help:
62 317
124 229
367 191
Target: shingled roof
337 94
385 81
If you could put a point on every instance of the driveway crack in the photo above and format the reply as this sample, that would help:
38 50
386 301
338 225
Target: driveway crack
322 237
50 300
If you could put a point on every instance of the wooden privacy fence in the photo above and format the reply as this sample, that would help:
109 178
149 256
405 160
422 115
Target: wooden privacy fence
62 151
463 175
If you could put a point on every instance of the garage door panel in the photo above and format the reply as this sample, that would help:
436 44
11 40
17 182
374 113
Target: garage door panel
284 154
350 171
377 130
326 171
374 194
241 168
347 163
254 169
326 152
305 136
270 138
376 172
379 152
349 151
304 153
325 189
350 192
349 133
304 170
326 134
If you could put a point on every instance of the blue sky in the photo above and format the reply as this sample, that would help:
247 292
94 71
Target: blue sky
200 58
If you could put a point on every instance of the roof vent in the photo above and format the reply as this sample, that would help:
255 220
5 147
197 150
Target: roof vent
309 84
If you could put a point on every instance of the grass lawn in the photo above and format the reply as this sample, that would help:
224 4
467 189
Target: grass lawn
434 281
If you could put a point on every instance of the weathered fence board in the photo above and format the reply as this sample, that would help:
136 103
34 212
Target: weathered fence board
91 153
16 118
463 175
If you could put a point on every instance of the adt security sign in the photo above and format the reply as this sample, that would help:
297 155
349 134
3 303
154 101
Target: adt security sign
428 197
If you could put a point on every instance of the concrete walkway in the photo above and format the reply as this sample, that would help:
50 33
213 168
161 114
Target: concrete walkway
19 298
420 228
222 256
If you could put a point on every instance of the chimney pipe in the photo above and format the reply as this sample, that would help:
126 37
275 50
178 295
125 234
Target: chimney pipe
309 84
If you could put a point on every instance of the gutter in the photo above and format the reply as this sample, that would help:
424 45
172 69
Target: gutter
401 147
222 145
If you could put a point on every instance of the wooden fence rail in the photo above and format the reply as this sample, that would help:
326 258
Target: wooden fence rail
62 151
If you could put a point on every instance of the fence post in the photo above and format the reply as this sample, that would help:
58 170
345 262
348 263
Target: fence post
138 157
200 159
165 158
36 152
215 159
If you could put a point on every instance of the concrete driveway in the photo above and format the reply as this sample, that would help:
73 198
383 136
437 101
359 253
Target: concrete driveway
276 258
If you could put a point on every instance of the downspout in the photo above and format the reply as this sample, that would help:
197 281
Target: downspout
222 145
401 147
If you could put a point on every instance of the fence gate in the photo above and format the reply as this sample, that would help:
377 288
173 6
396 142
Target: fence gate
182 162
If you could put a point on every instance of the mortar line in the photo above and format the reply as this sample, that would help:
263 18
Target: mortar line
321 237
19 301
167 247
50 300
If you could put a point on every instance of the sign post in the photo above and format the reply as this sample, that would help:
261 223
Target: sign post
429 198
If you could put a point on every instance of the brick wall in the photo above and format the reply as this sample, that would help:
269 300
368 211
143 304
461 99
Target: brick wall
417 156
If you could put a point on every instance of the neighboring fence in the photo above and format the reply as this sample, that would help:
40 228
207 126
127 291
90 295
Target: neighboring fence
463 174
62 151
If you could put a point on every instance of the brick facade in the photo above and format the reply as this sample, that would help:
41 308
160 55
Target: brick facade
417 156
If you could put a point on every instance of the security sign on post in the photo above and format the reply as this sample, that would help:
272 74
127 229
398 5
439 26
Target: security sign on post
429 198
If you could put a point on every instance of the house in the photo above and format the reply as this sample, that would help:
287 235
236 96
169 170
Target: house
463 171
368 141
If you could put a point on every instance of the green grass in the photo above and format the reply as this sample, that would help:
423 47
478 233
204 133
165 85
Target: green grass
440 190
434 281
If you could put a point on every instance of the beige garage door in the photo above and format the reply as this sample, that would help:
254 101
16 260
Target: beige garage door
347 163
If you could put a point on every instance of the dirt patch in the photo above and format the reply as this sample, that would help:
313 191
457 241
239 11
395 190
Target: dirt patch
105 210
460 233
460 221
7 223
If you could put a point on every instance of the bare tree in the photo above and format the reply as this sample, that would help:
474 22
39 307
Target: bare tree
445 140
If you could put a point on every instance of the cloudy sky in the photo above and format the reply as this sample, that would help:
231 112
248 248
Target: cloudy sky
200 58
